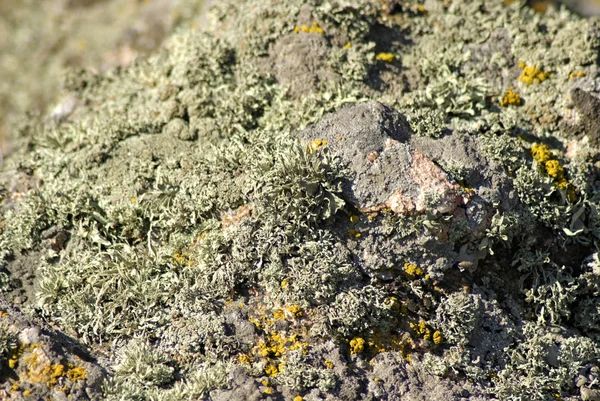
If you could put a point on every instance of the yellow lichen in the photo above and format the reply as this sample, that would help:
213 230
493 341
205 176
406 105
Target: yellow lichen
577 74
386 57
540 153
354 233
412 270
354 219
348 45
298 398
77 373
532 74
271 370
329 364
278 314
52 373
357 345
437 337
314 28
511 98
295 310
422 330
245 359
268 390
26 393
284 284
316 145
554 169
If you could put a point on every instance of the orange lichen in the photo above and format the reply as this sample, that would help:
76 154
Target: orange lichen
532 74
511 98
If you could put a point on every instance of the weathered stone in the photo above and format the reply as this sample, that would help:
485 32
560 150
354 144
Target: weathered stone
372 140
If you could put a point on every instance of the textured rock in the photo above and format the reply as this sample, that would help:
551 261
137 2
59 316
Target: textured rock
372 140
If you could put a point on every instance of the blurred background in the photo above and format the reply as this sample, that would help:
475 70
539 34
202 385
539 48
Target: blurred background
39 40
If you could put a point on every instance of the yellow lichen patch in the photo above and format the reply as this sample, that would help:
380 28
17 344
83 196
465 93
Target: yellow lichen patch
422 330
510 98
540 153
354 233
278 314
76 373
532 74
245 359
298 398
52 373
354 219
26 393
295 310
357 345
284 284
554 169
3 314
329 364
316 145
420 8
412 270
314 28
271 370
182 259
348 45
437 337
386 57
133 199
577 74
268 390
16 353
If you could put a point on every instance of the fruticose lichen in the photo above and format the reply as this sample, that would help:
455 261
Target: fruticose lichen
315 200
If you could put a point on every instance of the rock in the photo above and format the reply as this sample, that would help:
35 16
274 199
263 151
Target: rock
372 140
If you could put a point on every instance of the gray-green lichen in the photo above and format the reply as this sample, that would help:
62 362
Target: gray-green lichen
322 199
